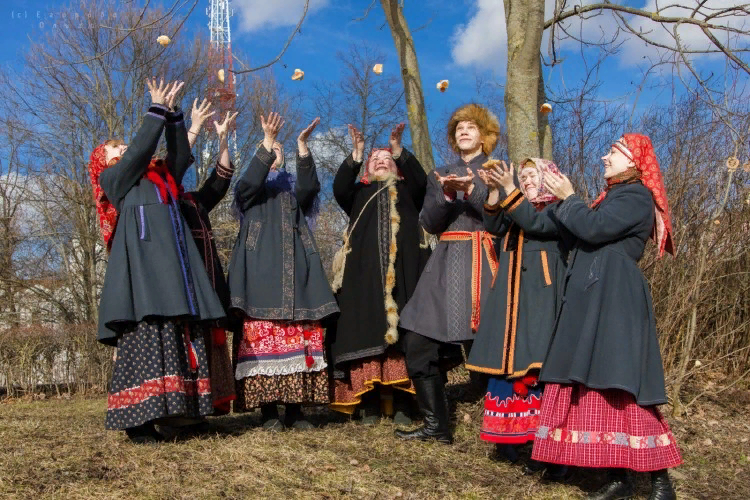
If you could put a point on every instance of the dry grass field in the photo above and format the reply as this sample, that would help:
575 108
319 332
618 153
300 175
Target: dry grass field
58 448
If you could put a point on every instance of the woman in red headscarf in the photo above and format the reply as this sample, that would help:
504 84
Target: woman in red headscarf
156 297
603 371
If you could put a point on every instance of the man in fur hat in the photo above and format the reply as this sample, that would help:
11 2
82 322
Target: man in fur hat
445 308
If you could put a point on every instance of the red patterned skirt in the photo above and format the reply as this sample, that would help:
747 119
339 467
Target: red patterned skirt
511 411
387 370
282 362
590 428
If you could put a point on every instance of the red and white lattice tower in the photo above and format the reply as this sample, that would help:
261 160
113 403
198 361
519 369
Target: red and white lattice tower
222 94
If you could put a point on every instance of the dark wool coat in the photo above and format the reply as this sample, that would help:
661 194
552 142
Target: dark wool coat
195 208
155 268
275 272
441 306
361 328
519 315
606 331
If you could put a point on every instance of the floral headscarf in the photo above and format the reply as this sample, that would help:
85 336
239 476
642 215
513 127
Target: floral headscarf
542 167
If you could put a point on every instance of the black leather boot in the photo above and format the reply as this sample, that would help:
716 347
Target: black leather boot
661 486
619 486
434 407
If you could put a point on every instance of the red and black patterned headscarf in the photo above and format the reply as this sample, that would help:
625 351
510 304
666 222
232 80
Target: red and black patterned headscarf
638 148
157 173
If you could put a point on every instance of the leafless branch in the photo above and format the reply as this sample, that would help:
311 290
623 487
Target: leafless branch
367 12
284 49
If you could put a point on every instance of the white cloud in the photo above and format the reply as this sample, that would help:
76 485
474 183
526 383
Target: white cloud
482 41
260 14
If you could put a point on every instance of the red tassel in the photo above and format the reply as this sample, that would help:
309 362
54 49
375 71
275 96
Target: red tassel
193 357
521 385
309 361
218 336
520 388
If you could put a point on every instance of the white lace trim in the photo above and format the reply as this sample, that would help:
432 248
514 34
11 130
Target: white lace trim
283 367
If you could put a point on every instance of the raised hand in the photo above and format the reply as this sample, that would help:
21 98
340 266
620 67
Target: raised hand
499 176
271 128
358 143
463 184
558 185
158 91
222 129
304 136
172 94
200 113
444 183
395 140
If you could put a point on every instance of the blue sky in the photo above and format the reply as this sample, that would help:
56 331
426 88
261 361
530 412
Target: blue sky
461 39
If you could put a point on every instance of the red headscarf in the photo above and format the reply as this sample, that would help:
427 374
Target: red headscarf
105 210
638 148
366 176
157 173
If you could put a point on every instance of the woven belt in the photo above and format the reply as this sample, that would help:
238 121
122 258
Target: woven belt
479 240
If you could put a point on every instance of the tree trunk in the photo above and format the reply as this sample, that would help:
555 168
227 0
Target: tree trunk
407 56
529 134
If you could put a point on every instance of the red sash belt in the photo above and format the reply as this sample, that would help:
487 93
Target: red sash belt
479 240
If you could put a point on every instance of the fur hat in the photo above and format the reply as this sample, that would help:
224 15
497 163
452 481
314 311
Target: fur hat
487 122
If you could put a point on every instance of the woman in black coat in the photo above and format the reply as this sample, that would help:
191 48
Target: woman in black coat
196 206
278 285
156 294
603 371
515 331
381 271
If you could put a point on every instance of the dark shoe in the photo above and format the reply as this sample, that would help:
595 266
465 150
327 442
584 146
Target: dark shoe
557 473
533 467
402 408
661 486
295 419
273 425
619 486
369 408
434 407
144 434
271 421
505 453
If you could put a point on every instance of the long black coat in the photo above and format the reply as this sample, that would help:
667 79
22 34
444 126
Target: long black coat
275 272
519 315
441 306
606 332
155 268
362 325
195 207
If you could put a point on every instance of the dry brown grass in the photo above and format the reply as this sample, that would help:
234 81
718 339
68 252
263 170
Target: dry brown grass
58 448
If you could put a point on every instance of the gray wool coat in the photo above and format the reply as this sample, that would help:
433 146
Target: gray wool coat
154 268
441 305
275 272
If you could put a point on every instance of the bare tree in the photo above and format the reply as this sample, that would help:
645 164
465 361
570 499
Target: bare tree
68 107
374 104
413 93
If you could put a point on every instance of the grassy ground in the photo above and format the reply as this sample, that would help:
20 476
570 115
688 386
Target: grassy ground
57 448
